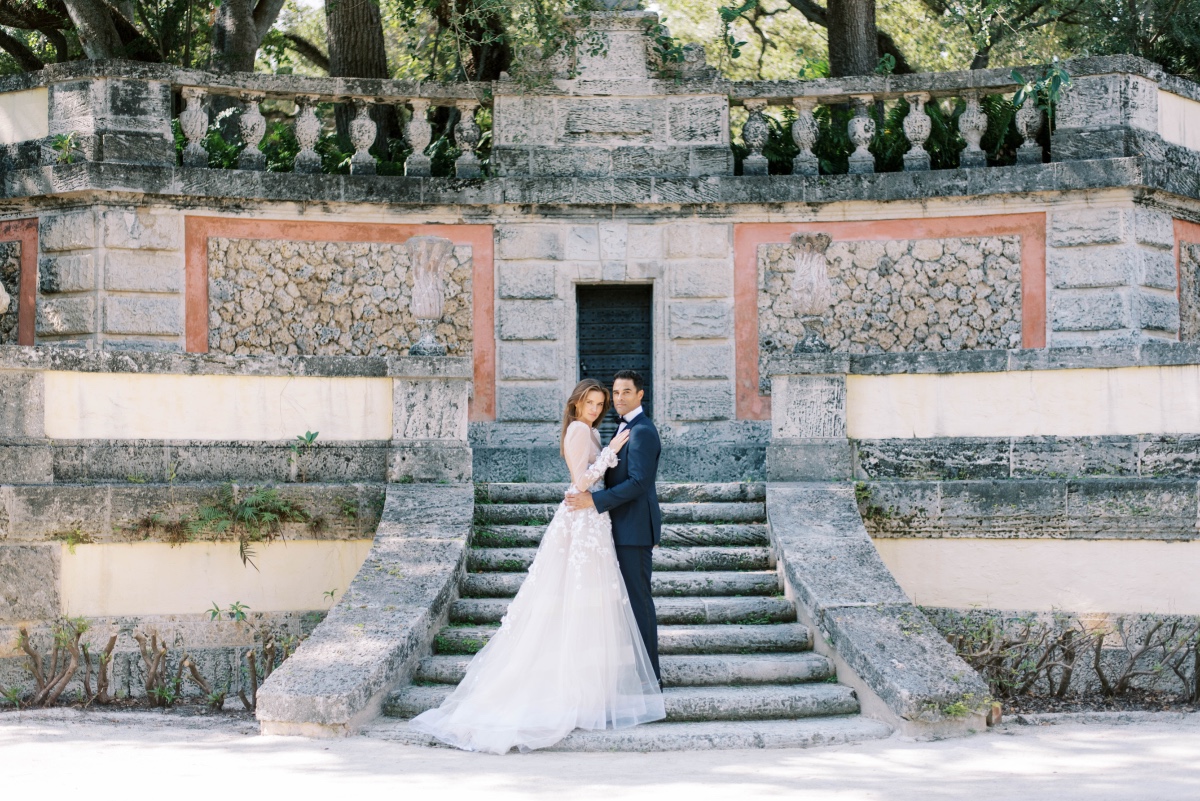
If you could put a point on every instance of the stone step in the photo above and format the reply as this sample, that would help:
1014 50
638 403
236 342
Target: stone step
486 493
729 638
702 736
676 583
687 557
532 514
671 611
680 670
509 536
761 702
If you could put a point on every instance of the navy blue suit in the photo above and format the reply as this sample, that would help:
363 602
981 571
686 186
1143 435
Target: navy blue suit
631 499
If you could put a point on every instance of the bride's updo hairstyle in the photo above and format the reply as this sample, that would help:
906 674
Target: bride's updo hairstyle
571 413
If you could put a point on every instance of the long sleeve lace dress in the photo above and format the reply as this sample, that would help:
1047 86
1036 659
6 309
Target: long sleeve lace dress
568 653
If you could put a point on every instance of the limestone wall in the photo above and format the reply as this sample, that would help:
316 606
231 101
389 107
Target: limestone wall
902 295
327 298
1189 291
10 279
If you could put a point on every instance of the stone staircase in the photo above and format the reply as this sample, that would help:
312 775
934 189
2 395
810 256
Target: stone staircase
739 671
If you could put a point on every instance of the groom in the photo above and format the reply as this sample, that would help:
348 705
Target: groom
632 499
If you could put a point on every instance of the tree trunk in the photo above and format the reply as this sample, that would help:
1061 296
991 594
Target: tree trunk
239 29
356 50
853 46
94 24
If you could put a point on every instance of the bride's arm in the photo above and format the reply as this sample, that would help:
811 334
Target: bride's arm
577 449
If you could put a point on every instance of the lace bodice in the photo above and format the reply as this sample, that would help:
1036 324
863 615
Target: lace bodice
585 459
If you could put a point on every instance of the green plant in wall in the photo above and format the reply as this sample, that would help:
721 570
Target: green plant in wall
66 147
236 612
300 448
254 517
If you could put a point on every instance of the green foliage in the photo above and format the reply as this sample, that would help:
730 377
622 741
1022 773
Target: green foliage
256 516
236 612
72 538
66 147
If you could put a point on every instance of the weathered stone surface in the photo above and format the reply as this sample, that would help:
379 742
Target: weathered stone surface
161 316
704 240
373 636
66 316
606 121
644 241
702 361
1156 311
10 285
529 361
1087 227
526 280
67 231
327 298
74 273
701 400
29 579
25 463
1096 310
530 242
700 120
143 272
900 295
533 319
712 320
429 409
809 460
444 462
22 404
529 402
1189 291
139 229
701 279
806 407
583 243
836 573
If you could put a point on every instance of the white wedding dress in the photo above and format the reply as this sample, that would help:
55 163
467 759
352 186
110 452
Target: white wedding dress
568 653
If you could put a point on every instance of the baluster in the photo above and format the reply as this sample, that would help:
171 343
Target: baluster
862 131
1029 123
253 126
917 127
755 133
193 121
419 135
804 134
466 136
972 124
362 135
308 129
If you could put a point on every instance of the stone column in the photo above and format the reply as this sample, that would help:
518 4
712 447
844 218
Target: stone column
429 419
117 120
808 418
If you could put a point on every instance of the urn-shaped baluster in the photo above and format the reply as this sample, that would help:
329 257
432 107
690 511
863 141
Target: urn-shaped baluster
1029 123
308 130
428 256
420 133
253 126
862 131
804 134
193 121
755 134
362 136
972 124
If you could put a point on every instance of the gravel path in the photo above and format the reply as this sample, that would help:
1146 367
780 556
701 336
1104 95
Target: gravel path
1126 756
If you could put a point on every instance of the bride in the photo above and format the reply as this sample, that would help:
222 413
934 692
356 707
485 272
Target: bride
568 653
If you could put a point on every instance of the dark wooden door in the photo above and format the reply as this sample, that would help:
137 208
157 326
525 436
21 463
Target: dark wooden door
616 332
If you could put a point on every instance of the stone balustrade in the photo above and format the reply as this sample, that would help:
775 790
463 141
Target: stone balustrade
643 126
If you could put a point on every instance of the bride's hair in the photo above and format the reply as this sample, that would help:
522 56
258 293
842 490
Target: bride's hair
571 413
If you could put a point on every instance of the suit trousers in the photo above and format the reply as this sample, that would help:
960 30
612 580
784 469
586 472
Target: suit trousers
636 562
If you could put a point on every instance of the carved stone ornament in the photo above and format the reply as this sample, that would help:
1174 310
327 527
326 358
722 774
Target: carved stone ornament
252 125
862 131
362 136
804 134
812 291
972 124
308 129
755 133
917 127
428 256
419 135
1029 123
193 121
466 136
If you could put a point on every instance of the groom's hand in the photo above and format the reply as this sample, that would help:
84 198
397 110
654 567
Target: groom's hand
583 500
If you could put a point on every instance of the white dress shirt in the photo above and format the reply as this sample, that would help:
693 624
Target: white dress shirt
628 418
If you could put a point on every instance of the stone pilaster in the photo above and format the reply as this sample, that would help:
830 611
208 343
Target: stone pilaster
808 419
1106 116
116 120
429 420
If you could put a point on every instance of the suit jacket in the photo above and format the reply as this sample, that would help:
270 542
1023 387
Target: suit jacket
630 496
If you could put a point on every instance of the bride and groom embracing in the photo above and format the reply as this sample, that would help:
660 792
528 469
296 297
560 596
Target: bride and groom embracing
578 647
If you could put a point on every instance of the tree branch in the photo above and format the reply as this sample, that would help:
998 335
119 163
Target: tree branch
265 14
887 45
307 50
25 57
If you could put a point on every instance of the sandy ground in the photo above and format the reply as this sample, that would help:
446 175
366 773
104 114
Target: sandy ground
57 754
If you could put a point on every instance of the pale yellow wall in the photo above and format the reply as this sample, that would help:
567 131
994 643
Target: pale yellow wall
149 578
1087 576
211 407
1126 400
1179 120
24 116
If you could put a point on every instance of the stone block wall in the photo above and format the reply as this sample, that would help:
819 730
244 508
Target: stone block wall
112 276
1110 277
901 295
10 279
326 298
690 266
